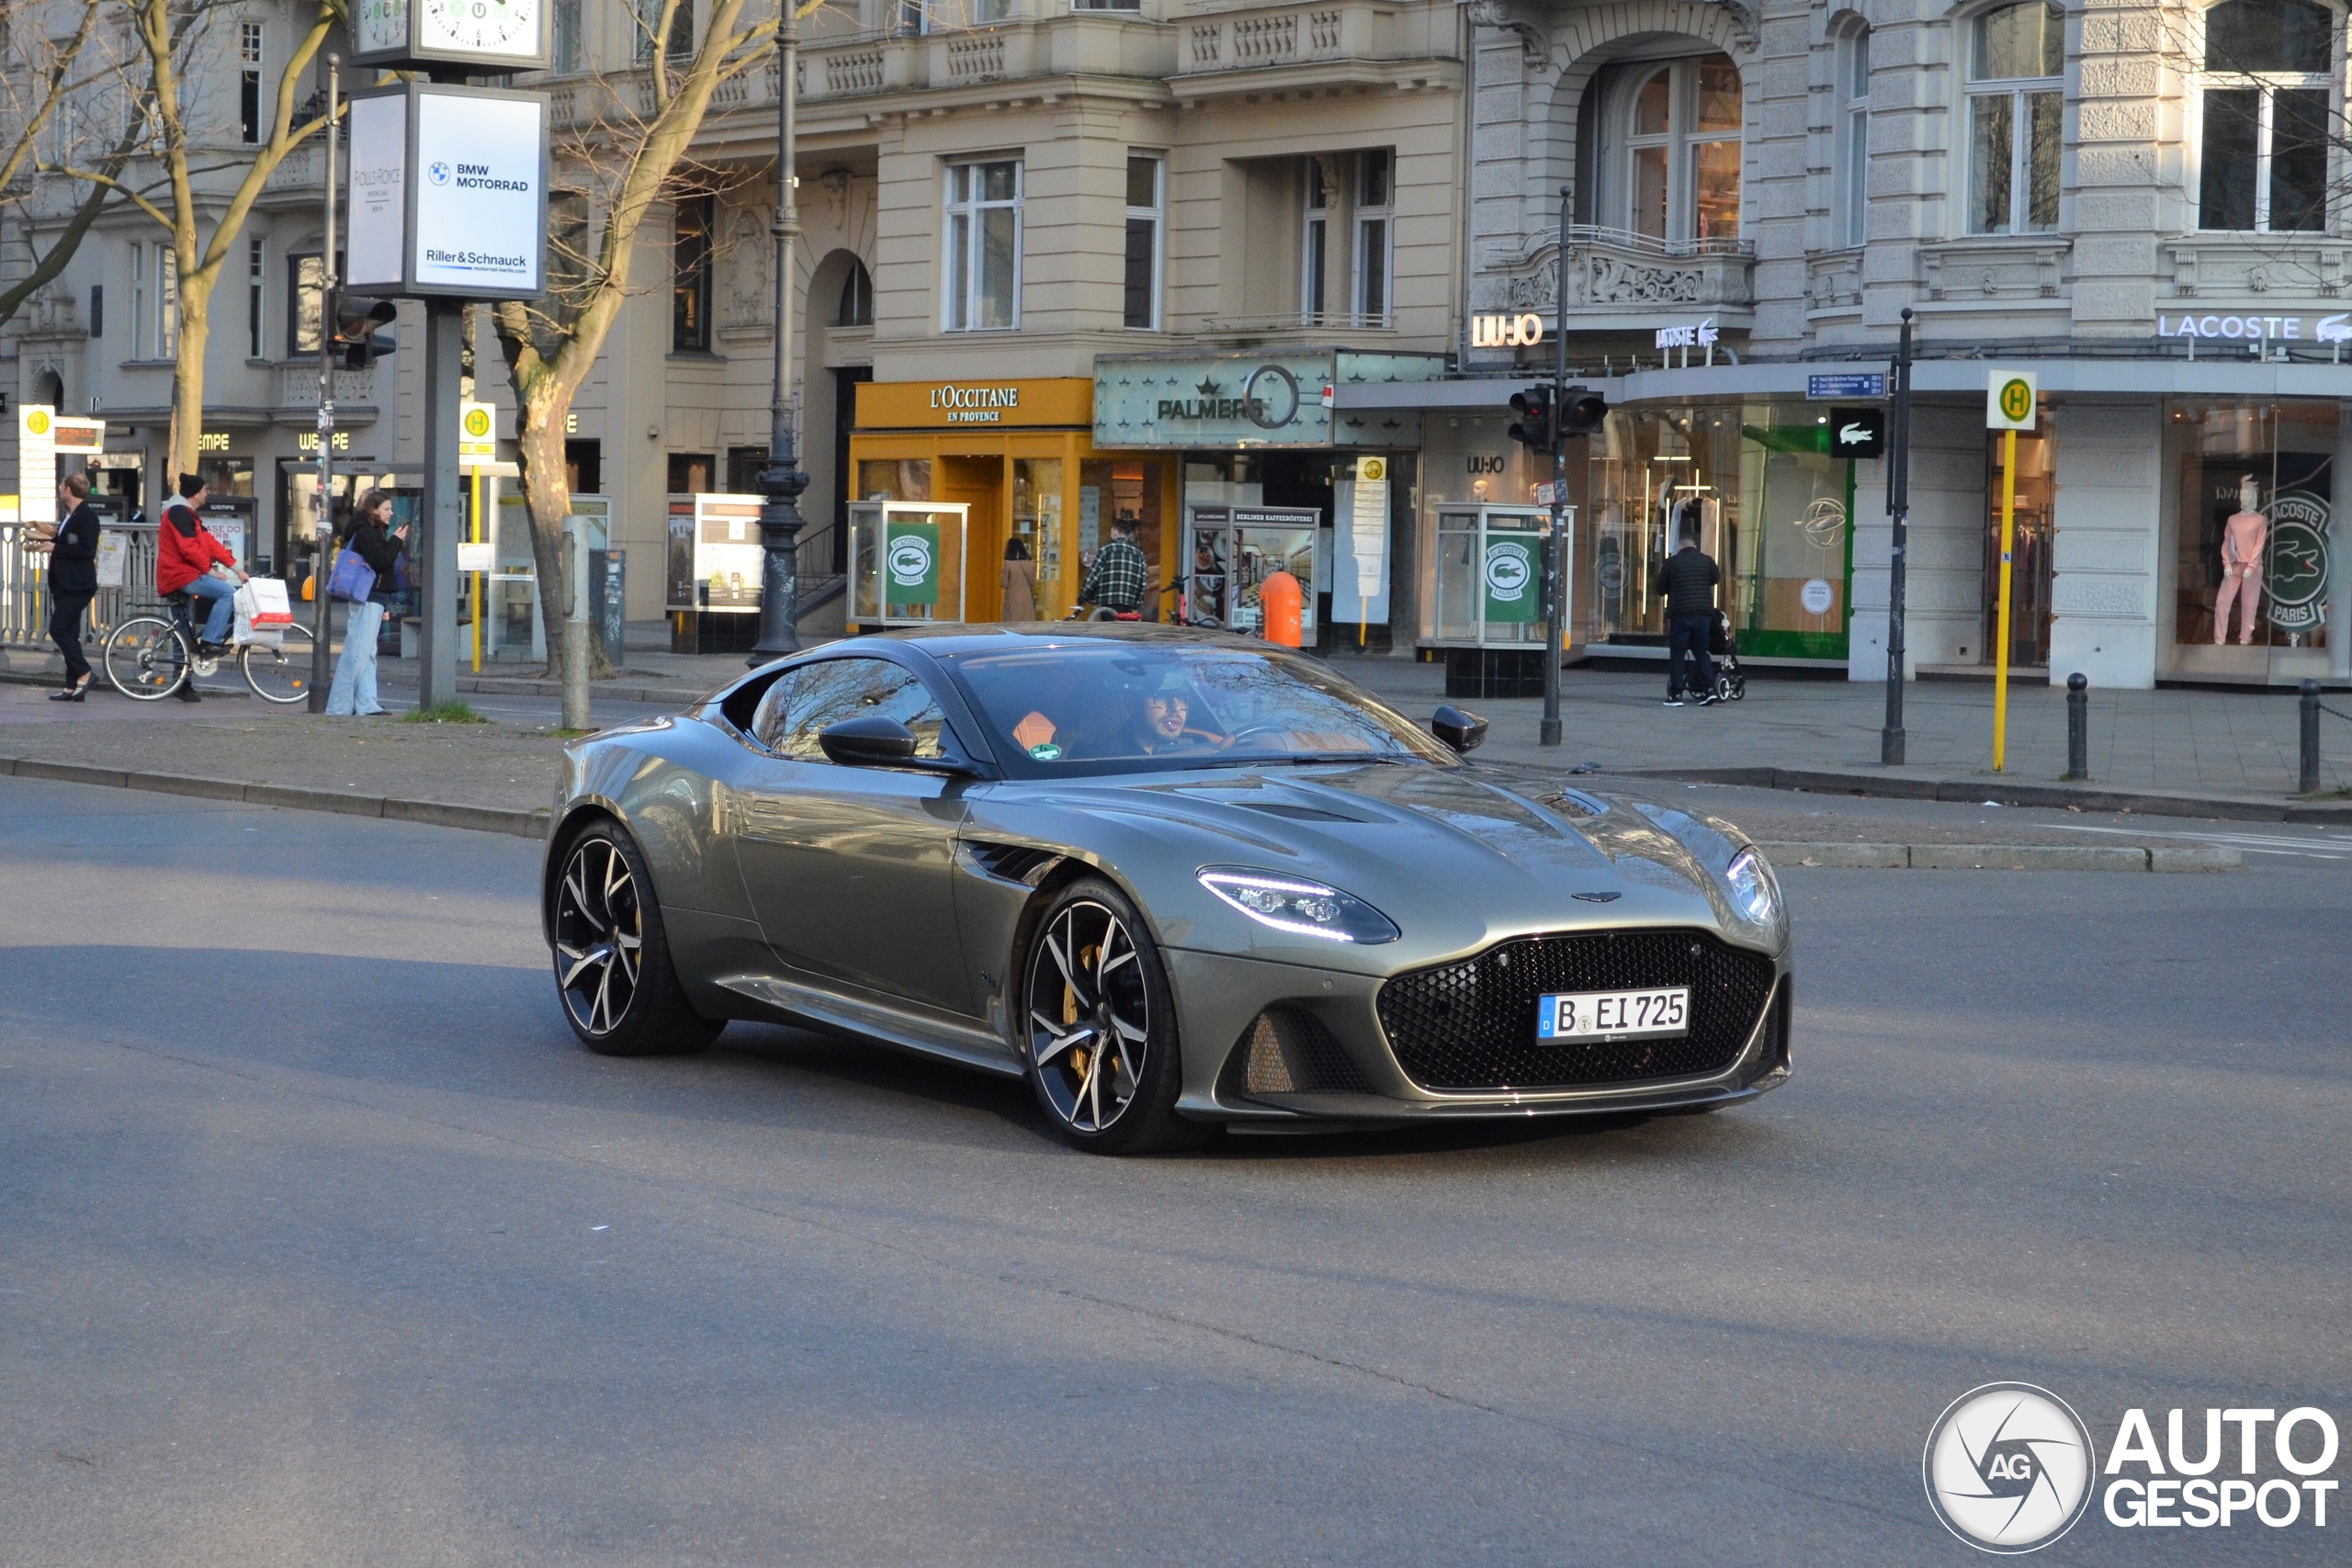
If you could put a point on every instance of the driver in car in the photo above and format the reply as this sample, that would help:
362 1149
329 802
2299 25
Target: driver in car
1160 727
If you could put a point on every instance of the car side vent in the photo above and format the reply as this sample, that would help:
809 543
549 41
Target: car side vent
1578 803
1287 1050
1012 863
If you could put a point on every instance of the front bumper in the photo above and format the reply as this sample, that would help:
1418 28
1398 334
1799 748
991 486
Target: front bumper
1220 998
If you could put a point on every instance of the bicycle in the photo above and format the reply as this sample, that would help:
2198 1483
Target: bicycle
148 657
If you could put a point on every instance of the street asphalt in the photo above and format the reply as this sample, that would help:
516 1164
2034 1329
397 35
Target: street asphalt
322 1243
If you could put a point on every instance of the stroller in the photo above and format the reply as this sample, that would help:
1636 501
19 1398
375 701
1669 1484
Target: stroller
1731 681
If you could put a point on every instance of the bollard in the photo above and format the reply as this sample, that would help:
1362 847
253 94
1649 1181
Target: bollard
2078 728
2309 782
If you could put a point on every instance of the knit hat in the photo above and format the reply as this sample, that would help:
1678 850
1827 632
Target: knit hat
191 483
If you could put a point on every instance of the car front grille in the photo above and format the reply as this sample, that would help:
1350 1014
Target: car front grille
1471 1025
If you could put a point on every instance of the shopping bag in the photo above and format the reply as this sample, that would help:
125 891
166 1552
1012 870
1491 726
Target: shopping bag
352 578
270 605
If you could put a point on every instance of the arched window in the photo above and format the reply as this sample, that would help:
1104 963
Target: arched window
2017 61
1853 135
2264 104
1683 146
856 306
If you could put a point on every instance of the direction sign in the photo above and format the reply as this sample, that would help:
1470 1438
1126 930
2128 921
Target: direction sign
2012 398
1845 384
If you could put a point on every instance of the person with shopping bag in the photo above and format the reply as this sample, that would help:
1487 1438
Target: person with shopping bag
363 577
72 581
191 560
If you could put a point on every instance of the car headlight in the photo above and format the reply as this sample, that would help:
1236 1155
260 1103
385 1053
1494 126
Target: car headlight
1753 890
1301 907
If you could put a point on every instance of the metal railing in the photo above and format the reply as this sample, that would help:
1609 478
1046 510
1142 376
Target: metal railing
24 587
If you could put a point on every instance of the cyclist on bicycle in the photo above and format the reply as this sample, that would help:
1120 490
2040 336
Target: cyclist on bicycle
189 560
1119 574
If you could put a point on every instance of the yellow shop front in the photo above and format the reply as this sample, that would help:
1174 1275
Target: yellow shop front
956 481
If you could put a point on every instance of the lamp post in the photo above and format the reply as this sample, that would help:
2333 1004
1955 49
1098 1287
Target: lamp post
782 481
1891 739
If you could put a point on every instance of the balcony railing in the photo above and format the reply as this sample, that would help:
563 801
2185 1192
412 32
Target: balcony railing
1613 272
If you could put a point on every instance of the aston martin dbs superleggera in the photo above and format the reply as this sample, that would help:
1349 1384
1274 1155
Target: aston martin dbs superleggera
1174 879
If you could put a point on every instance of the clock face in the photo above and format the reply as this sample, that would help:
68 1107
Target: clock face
381 24
479 27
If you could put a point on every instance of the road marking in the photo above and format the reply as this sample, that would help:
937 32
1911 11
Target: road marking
2257 843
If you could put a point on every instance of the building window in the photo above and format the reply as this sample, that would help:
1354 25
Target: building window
1315 244
167 301
856 306
2017 56
1854 135
98 310
1684 143
2266 111
567 36
983 261
249 80
1147 202
253 298
1376 195
138 298
690 256
305 303
679 47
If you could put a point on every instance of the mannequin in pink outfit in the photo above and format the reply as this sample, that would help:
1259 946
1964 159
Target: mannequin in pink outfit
2241 540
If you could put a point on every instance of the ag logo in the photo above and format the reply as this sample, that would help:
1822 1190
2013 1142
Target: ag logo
1509 572
2008 1468
478 422
910 561
2298 564
438 172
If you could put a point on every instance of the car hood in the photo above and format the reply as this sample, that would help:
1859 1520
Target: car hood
1454 856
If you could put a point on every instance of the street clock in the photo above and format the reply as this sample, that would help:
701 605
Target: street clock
486 37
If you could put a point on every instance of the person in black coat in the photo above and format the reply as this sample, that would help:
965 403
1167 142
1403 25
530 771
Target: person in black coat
72 581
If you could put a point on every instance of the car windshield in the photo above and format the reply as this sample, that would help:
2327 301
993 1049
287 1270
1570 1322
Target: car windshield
1121 707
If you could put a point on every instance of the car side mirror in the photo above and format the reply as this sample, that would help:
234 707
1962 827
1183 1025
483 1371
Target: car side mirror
868 741
1458 728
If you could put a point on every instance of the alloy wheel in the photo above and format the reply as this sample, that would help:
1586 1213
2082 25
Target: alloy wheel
599 936
1089 1019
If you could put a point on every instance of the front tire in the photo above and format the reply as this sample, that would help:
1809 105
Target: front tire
612 955
1098 1026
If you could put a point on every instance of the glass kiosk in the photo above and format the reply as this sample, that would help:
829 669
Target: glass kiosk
906 564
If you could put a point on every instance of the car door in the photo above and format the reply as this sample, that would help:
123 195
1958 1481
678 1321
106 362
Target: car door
849 869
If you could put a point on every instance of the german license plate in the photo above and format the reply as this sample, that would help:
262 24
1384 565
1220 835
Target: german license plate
1613 1015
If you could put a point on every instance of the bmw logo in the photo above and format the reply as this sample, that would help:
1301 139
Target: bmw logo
2008 1468
437 173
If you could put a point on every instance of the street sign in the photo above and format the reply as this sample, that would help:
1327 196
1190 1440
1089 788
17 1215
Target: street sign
1858 433
2012 398
447 192
477 436
1845 384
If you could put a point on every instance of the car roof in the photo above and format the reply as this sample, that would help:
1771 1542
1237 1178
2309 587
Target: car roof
951 641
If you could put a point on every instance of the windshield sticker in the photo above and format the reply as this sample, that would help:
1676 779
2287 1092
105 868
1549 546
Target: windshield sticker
1045 751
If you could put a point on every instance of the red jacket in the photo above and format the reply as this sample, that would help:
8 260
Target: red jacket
181 559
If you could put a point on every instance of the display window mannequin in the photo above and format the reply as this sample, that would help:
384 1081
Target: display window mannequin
2242 541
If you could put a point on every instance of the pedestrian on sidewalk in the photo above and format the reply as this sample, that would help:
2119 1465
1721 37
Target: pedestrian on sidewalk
373 540
1020 582
72 581
1691 578
189 560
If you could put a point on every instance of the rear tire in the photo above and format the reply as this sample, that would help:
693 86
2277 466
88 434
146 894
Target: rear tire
145 659
1097 1027
613 973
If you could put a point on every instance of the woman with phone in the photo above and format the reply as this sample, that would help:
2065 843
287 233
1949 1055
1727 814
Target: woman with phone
375 541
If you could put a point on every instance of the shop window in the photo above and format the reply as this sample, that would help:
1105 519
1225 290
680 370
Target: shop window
1147 202
248 82
982 267
1682 142
1376 195
744 466
1037 517
2257 497
2016 97
583 467
1107 491
690 269
2031 541
689 473
856 307
2264 104
1854 135
894 479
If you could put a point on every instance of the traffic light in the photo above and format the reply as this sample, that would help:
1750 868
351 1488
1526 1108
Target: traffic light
357 322
1533 426
1582 412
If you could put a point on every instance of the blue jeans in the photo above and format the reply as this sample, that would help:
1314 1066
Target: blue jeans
222 592
354 691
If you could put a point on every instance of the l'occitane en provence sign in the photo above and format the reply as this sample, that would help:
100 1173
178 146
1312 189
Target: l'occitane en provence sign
943 405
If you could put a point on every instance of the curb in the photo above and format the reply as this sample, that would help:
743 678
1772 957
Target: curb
481 685
1975 791
292 797
2005 857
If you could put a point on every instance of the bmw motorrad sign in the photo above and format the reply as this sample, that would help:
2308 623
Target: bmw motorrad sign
447 193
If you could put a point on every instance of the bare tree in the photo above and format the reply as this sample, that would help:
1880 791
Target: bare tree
41 78
173 37
624 160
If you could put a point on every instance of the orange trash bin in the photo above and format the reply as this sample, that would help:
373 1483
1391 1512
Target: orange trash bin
1280 597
